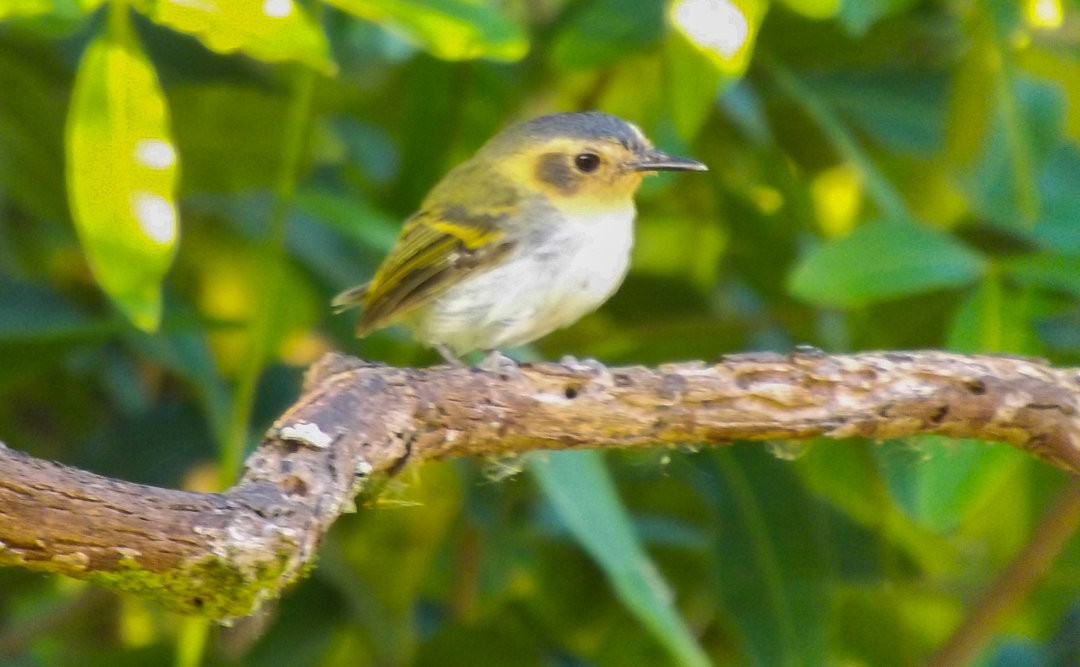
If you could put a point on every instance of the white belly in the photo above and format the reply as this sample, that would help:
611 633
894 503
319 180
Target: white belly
567 275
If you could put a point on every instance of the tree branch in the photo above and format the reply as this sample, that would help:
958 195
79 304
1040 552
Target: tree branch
222 554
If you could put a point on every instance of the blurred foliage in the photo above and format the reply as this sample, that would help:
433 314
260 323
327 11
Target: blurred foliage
184 185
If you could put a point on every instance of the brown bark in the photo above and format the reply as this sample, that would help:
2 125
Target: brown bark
222 554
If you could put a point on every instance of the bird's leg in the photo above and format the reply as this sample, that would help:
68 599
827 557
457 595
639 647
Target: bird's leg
451 358
497 362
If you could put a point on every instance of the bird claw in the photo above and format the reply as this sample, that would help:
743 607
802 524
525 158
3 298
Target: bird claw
499 363
588 364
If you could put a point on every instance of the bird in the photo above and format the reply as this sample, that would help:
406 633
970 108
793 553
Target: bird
530 234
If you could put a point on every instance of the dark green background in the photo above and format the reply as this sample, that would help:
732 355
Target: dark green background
885 174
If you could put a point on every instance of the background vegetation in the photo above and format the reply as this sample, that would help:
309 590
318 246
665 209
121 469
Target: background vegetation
184 185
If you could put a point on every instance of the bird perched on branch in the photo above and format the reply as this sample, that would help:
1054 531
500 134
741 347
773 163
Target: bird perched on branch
529 235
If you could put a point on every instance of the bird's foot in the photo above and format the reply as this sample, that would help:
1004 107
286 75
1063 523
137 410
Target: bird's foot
499 363
588 364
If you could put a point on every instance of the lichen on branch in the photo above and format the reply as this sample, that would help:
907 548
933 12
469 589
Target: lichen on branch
222 555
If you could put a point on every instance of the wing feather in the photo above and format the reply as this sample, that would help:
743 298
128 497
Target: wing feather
435 250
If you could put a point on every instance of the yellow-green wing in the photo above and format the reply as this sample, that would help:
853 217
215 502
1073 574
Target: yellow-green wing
436 249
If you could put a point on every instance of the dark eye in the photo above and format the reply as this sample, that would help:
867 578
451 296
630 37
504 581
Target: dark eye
587 162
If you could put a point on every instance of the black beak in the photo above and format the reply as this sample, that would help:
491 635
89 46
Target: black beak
659 161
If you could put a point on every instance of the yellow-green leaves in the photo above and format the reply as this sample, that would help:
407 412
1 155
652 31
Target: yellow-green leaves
815 9
448 29
24 8
121 171
269 30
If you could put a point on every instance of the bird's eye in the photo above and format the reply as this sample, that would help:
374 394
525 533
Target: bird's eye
587 162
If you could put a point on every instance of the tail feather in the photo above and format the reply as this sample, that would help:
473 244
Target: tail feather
350 298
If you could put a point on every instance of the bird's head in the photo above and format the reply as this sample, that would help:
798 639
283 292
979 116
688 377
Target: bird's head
580 160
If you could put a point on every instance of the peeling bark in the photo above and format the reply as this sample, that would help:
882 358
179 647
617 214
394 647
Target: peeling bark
223 554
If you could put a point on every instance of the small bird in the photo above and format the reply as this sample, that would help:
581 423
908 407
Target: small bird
529 235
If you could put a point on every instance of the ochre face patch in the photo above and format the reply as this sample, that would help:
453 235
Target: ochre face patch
593 170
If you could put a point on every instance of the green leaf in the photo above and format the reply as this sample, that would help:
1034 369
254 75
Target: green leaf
1048 271
270 30
30 312
859 15
352 217
880 189
1056 229
851 480
448 29
186 353
224 129
55 10
603 31
24 8
773 566
1028 123
691 86
122 171
31 148
900 110
880 261
996 319
956 479
969 116
583 494
815 9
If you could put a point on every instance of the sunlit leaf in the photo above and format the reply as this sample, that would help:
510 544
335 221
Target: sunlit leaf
817 9
57 9
724 30
46 17
13 8
122 171
880 261
449 29
271 30
582 492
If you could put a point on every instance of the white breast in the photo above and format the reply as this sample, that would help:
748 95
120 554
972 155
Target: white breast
546 284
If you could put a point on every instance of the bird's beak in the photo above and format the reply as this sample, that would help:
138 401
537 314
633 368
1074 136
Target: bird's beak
656 160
